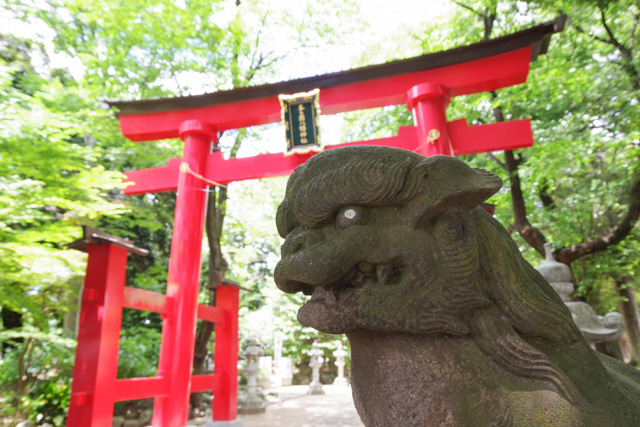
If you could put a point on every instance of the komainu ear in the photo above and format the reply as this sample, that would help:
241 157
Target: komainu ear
450 184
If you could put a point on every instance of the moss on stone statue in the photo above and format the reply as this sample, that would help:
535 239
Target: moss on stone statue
448 324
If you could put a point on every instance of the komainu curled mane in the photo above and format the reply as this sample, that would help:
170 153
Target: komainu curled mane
448 324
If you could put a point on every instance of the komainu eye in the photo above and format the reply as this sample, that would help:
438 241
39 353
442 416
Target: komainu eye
350 215
453 227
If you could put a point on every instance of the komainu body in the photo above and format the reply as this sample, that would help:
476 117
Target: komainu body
448 324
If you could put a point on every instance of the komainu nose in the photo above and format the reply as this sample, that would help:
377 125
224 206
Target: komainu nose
300 240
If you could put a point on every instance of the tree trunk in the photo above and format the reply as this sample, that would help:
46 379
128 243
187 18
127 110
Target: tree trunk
629 309
10 320
532 235
216 211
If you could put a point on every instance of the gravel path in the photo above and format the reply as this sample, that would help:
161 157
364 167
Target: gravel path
292 407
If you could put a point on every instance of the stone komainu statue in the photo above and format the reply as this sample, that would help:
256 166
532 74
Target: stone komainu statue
448 324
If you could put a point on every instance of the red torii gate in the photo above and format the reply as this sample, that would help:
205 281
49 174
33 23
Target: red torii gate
425 84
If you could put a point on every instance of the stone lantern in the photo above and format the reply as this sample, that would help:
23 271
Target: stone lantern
558 275
595 329
340 355
253 402
315 363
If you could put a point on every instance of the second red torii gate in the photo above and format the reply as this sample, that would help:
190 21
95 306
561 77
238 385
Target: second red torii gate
425 84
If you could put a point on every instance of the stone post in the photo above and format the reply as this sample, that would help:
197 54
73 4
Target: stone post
286 371
252 403
340 356
276 378
316 362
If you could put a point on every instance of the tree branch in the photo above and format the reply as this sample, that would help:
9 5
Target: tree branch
23 367
274 60
532 235
497 161
625 52
469 8
253 67
593 36
488 18
612 38
613 237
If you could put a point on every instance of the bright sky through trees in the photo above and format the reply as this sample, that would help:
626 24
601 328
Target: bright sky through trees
382 21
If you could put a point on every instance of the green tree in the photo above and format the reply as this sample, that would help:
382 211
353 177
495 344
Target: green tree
578 186
49 184
125 50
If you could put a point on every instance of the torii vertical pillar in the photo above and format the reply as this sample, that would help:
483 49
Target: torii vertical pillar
428 103
96 365
178 334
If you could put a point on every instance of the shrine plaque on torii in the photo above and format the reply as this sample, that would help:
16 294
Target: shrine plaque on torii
425 84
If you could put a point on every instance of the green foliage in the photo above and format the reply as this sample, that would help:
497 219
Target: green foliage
35 375
62 155
582 98
139 351
51 181
125 46
584 109
50 403
375 123
252 244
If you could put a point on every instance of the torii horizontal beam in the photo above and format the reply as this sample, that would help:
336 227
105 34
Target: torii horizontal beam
473 139
469 69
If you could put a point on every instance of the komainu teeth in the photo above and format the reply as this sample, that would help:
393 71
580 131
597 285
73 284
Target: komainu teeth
383 272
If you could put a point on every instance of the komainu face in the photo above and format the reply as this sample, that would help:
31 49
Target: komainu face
379 238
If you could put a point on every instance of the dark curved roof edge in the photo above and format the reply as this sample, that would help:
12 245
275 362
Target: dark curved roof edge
537 37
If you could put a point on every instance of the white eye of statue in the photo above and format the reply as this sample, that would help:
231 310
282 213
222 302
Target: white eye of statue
350 214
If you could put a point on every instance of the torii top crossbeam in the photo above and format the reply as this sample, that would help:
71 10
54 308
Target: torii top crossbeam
469 69
425 84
